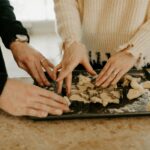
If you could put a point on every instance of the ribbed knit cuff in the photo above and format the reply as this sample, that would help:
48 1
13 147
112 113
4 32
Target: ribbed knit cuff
132 49
68 43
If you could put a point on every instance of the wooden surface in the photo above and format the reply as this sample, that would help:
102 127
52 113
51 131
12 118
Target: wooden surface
95 134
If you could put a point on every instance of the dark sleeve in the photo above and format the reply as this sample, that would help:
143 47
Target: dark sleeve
3 73
9 26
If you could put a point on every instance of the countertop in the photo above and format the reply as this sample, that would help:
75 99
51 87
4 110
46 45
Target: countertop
21 133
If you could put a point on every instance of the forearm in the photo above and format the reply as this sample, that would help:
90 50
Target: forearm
139 45
9 26
3 73
68 20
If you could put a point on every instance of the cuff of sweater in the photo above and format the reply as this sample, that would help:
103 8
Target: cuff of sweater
9 32
67 43
133 50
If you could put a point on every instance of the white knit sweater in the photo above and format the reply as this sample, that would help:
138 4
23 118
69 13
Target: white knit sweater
106 25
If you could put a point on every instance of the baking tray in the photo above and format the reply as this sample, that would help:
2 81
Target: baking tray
126 108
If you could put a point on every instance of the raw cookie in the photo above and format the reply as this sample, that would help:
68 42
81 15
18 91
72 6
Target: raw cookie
135 93
83 95
76 97
96 99
135 85
67 100
146 85
92 93
106 99
83 79
116 94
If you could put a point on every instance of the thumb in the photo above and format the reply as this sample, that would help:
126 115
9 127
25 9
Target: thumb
89 68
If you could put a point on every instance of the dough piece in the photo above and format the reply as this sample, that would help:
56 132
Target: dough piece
85 96
82 88
125 83
89 85
135 93
116 94
67 100
128 77
85 86
146 85
135 85
92 93
83 80
96 99
76 97
106 99
74 91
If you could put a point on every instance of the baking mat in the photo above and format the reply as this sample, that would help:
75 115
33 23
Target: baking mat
126 108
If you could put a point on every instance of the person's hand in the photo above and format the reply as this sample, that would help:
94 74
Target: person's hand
73 56
21 99
32 61
115 68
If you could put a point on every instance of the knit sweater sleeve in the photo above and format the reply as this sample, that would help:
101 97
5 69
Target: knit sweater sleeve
68 20
141 43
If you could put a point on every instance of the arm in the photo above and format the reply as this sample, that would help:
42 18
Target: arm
30 100
26 57
141 43
134 53
9 26
3 73
68 20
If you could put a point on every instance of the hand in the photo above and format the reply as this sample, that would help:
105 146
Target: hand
32 61
73 56
115 68
20 99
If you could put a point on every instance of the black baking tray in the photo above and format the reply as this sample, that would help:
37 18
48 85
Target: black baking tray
125 108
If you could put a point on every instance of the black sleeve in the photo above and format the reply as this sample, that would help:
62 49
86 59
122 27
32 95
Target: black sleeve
9 26
3 73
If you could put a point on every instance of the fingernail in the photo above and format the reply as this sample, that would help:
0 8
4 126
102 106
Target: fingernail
44 114
41 84
58 112
54 76
97 84
67 110
103 86
67 101
48 83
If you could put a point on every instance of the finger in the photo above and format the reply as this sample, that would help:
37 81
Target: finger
89 68
118 77
35 113
34 73
110 79
53 108
105 76
66 71
24 67
59 87
103 71
59 66
41 74
51 103
51 95
68 84
46 66
50 64
55 70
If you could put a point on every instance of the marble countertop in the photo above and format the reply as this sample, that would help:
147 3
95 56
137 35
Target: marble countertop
88 134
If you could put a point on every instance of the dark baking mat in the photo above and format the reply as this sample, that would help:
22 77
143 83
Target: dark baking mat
126 108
